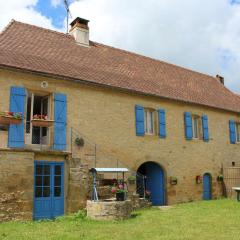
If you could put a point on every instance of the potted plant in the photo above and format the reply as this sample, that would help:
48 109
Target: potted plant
198 179
79 142
132 180
220 178
173 180
120 195
40 120
148 195
7 118
119 191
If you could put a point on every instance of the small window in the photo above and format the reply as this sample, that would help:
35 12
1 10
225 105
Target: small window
149 121
197 127
238 132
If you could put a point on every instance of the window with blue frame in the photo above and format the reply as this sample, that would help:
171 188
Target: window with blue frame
150 121
196 127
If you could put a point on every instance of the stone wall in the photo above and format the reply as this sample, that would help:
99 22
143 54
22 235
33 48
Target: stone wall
112 210
12 207
16 185
78 185
138 203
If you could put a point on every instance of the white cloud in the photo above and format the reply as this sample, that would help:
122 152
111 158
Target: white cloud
202 35
22 10
56 3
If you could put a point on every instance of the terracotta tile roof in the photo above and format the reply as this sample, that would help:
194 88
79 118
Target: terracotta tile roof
32 48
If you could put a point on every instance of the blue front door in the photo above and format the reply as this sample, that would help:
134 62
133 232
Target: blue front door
155 183
48 190
207 186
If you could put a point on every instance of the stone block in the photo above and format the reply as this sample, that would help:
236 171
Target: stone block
109 210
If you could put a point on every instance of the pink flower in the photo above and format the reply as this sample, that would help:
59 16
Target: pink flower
120 186
114 190
148 193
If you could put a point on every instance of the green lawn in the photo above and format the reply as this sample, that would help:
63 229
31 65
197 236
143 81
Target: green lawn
218 219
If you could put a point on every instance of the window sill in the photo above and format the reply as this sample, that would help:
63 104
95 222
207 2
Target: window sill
197 139
150 134
42 147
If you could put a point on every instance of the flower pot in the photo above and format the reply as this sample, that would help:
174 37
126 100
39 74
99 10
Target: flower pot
6 120
79 142
173 180
131 181
220 178
120 196
42 123
198 179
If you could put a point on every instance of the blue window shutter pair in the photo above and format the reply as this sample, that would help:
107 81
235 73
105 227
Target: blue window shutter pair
17 104
60 124
161 123
140 127
189 130
232 131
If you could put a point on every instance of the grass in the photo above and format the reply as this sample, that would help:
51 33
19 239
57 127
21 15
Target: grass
218 219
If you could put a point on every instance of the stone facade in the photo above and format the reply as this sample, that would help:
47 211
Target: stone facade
106 119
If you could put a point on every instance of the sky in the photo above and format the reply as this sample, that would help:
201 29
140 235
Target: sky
201 35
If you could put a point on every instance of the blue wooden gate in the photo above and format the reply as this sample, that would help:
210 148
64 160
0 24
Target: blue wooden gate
48 190
207 186
155 183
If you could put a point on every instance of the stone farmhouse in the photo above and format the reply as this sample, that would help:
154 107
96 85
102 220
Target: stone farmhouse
69 104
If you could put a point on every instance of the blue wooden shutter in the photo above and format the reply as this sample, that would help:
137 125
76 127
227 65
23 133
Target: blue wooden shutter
161 123
17 104
232 131
205 128
139 112
188 125
60 124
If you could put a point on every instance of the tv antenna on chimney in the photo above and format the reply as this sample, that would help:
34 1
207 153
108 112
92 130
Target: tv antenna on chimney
68 12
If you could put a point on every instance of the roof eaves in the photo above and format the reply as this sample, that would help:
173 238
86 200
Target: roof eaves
93 83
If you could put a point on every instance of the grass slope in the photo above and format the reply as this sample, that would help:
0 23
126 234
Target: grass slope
218 219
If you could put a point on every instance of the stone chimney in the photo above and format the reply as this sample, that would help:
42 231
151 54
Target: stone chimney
220 79
80 31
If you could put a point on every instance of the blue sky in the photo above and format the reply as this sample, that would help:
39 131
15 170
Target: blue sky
201 35
56 13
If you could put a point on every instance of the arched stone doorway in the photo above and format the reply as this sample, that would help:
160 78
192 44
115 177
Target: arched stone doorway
151 178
